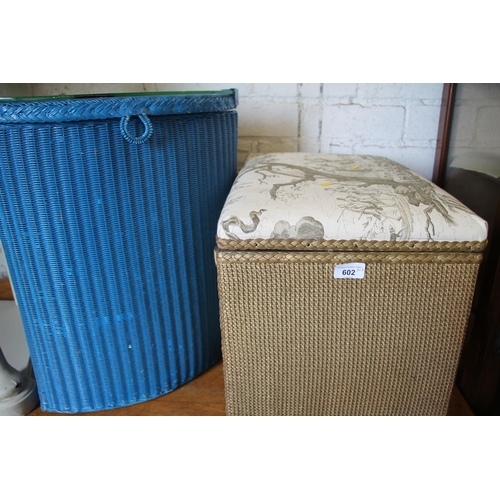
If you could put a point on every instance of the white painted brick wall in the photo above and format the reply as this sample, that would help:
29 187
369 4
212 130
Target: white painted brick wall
347 91
354 124
422 123
267 118
399 121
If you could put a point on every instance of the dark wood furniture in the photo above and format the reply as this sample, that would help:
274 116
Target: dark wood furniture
478 376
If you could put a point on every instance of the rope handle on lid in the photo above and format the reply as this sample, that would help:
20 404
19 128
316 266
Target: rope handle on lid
148 130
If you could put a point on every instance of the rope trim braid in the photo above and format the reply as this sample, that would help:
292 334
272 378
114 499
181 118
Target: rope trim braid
353 245
101 108
345 257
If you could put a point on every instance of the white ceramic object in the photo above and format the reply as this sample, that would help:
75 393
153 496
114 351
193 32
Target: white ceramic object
18 394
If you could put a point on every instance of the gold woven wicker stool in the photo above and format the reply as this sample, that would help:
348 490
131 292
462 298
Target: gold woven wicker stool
345 286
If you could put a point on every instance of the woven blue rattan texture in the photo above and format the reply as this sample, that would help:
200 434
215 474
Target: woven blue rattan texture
110 248
101 108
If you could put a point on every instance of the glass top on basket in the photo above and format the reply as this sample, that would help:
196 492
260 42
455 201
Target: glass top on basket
118 94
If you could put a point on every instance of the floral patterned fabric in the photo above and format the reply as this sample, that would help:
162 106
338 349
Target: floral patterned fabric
341 197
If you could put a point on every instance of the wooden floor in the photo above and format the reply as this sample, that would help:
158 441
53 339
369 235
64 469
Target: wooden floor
203 396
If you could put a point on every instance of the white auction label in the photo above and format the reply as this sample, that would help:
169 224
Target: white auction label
353 270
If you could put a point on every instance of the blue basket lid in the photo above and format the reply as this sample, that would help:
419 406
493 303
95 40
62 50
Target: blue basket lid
63 108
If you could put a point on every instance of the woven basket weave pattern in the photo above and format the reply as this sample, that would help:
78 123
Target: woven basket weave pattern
103 240
111 107
352 245
296 341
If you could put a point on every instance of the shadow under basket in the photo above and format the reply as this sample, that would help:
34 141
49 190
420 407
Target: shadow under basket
108 212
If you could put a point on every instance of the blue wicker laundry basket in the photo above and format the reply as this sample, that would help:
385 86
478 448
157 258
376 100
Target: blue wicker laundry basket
108 213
